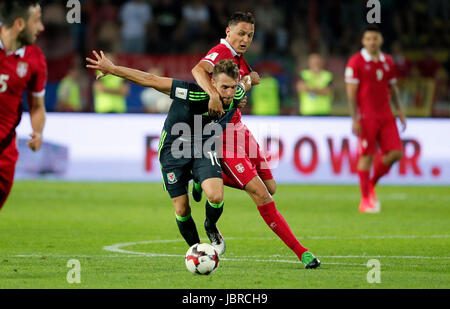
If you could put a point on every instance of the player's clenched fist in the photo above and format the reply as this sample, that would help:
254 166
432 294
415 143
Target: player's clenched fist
102 63
36 141
255 78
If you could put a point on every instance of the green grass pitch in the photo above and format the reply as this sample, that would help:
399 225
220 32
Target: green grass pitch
124 235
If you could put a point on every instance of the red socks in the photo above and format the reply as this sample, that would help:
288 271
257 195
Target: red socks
380 169
364 183
276 222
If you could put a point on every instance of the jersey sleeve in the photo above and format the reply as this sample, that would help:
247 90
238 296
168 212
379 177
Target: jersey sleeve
188 92
38 80
216 54
352 72
239 96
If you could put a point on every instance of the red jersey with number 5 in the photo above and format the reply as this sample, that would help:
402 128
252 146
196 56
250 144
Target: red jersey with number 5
24 69
374 80
225 51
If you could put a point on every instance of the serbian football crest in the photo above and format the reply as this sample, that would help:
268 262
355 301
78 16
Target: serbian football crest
22 69
240 168
171 178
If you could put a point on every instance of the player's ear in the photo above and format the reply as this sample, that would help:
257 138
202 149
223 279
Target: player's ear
227 31
20 23
381 39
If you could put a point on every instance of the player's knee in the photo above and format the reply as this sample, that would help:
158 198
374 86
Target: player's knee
182 211
272 188
215 197
260 195
182 208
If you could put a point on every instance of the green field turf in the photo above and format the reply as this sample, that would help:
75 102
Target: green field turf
45 224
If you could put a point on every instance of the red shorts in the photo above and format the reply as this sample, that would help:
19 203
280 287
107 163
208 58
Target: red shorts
8 159
242 158
382 132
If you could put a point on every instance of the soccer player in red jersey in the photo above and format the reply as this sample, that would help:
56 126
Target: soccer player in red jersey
244 166
22 66
371 85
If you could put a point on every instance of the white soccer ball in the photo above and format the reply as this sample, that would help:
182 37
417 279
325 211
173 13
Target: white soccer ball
202 259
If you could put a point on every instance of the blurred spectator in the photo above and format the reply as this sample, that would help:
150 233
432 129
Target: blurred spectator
270 25
153 100
56 42
402 65
69 93
314 88
135 16
107 34
167 14
196 19
428 66
110 93
265 97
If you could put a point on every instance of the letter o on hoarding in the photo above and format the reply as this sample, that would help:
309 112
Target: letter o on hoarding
306 167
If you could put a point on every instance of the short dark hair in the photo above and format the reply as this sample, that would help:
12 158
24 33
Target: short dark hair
226 66
238 17
10 10
371 27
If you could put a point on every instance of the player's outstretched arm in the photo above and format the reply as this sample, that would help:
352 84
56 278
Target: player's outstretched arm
106 66
201 75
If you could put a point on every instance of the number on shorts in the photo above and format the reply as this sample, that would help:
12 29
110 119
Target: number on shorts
213 157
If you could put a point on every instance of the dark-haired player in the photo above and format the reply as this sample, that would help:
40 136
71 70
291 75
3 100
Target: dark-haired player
244 165
22 66
371 85
201 162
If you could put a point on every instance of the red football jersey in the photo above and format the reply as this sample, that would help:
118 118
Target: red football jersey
225 51
24 69
373 79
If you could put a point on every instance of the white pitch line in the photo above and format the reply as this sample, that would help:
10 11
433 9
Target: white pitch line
118 248
232 257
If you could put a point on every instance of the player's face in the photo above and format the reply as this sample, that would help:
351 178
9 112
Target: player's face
226 86
33 26
240 36
315 62
372 41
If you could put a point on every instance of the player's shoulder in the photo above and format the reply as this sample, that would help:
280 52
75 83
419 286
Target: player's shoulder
184 90
34 55
34 51
219 49
355 58
388 58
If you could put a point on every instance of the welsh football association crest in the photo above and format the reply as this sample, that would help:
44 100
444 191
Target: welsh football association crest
22 69
171 178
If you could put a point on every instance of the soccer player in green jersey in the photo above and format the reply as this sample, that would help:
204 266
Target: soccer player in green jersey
187 149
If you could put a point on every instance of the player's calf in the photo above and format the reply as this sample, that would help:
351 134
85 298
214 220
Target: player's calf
213 189
184 220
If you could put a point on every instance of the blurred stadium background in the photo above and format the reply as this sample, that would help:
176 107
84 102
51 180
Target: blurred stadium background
169 37
178 33
49 222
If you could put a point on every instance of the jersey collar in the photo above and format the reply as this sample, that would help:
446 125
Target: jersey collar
20 52
233 52
365 54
